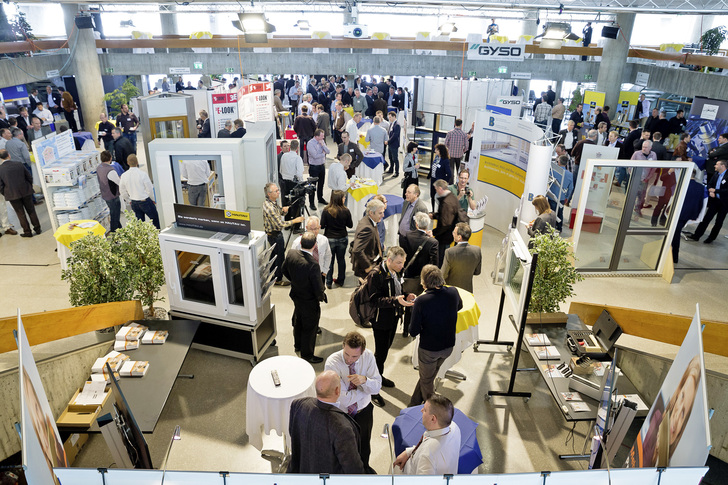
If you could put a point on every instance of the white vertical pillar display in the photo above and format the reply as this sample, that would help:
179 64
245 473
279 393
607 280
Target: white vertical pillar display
537 177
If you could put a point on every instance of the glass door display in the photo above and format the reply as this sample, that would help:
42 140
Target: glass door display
168 127
197 286
627 217
214 184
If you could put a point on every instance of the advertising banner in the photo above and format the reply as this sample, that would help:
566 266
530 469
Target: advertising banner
255 102
478 51
498 162
676 432
209 219
592 101
626 105
507 105
224 108
42 447
708 119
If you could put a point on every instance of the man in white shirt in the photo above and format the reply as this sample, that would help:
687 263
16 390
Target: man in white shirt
136 187
352 127
337 172
306 102
5 135
438 451
291 168
197 173
44 114
360 380
322 250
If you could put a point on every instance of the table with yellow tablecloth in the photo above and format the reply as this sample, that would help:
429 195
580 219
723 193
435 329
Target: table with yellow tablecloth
357 199
66 234
466 333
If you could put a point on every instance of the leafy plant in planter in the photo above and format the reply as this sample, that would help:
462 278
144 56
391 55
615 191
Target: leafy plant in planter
96 273
712 39
124 266
555 273
120 96
576 99
137 243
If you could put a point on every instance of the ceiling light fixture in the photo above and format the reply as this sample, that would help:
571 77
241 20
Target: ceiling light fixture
254 26
303 24
447 28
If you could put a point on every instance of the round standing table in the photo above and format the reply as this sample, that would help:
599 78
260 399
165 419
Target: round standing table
267 406
72 231
466 334
372 167
358 198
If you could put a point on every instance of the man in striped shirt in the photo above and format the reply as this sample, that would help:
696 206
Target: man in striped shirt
456 142
273 224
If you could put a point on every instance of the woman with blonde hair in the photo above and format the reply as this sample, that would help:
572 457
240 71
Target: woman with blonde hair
546 217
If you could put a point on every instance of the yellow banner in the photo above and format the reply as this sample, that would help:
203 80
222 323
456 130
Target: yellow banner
594 97
502 174
242 216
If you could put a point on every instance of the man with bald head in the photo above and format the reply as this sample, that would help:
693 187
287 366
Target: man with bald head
324 439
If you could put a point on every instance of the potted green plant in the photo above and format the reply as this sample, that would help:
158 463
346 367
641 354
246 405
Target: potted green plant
121 96
554 278
137 244
711 41
125 266
576 98
96 273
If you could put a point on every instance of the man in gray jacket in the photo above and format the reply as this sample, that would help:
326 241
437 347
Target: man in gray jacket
461 261
376 136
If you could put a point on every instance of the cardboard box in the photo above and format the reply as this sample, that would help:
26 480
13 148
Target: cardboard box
73 446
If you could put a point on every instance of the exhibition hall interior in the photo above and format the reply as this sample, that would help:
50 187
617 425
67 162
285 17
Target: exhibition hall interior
299 242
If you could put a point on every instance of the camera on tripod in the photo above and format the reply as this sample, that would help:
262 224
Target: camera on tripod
303 188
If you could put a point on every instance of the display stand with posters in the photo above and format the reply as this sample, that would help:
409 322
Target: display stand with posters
498 162
592 101
708 118
601 179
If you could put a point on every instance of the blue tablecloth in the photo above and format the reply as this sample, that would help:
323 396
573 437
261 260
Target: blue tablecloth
363 121
371 160
394 204
408 429
82 136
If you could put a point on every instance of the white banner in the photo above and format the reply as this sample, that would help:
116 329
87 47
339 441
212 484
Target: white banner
600 182
508 105
224 108
255 102
496 52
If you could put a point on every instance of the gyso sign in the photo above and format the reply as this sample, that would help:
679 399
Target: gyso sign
495 51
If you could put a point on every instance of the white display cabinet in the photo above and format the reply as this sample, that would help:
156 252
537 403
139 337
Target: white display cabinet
225 283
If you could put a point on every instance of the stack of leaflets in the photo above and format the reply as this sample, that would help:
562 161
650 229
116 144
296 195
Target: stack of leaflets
551 371
157 337
537 339
548 353
128 337
134 368
115 360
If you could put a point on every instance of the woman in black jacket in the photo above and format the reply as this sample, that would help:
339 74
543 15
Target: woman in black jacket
440 170
335 219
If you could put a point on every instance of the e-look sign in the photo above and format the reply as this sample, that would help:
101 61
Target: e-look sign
496 52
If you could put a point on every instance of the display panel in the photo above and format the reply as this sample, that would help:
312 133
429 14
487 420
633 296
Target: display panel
234 279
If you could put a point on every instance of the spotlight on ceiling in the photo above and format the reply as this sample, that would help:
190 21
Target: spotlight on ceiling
127 23
302 24
554 34
447 28
254 26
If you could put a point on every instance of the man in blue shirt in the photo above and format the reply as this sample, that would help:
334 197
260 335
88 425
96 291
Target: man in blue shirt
567 187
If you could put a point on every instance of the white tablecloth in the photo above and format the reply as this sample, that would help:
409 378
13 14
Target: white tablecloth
268 406
363 171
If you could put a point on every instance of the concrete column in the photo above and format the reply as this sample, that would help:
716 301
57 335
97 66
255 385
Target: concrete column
702 23
86 69
528 27
614 59
70 10
168 20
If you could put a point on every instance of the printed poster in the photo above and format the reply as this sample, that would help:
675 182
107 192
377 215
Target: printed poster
592 101
676 432
255 102
626 106
224 108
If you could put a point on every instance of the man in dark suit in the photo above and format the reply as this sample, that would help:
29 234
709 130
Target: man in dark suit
591 139
658 147
366 249
205 125
352 148
446 216
53 100
412 241
36 131
628 144
410 208
226 130
301 267
718 153
239 129
122 148
16 185
324 439
34 99
24 121
717 204
380 104
393 143
370 104
462 261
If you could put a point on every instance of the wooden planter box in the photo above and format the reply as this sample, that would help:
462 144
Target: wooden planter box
546 318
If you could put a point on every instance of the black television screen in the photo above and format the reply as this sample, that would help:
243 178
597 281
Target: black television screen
132 436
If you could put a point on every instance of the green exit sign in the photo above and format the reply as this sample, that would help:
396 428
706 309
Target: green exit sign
352 70
198 65
502 70
109 70
588 77
472 74
230 70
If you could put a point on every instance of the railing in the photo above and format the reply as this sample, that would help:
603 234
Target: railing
235 42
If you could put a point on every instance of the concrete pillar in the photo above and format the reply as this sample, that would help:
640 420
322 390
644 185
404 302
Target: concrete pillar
702 23
168 20
614 59
528 27
86 69
559 86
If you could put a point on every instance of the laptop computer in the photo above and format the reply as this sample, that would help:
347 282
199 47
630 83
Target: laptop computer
597 342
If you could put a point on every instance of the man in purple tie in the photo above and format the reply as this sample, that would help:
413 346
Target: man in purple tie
360 385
